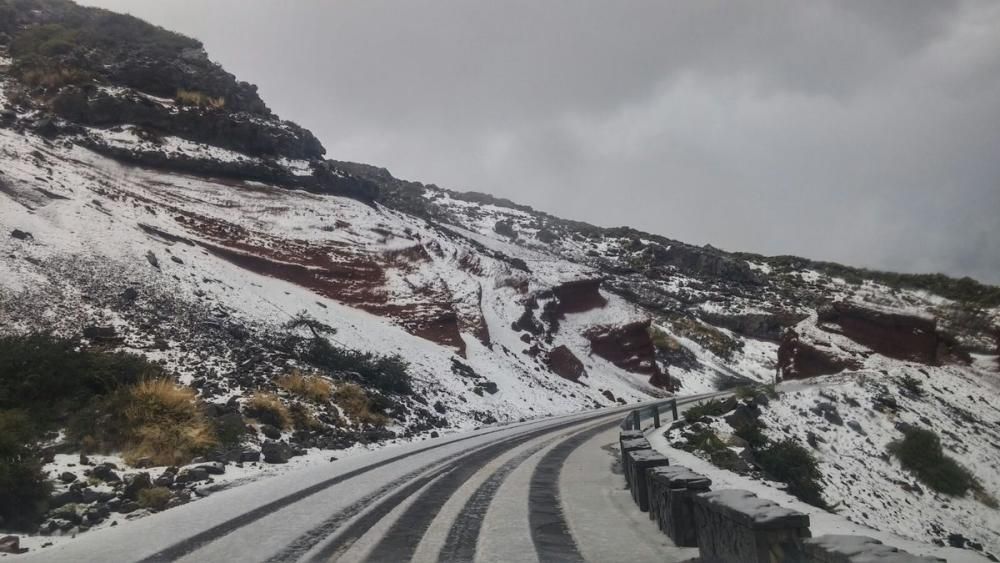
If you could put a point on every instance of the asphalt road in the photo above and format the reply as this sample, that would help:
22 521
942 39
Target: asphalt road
546 490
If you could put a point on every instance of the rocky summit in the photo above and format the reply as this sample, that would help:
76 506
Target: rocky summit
153 207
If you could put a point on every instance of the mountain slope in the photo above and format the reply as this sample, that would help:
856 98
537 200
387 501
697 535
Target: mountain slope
152 203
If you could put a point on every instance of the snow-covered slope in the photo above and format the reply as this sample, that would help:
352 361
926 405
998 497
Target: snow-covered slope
149 198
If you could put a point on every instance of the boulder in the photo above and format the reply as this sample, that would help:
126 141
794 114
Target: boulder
191 475
275 452
135 483
105 471
11 544
270 431
565 364
628 347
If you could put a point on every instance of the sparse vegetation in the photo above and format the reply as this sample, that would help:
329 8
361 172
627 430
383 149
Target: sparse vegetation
154 498
920 452
386 373
302 418
712 339
310 387
712 407
199 99
267 408
791 463
662 340
354 402
912 385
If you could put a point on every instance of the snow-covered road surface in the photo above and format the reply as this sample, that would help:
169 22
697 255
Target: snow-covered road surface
546 490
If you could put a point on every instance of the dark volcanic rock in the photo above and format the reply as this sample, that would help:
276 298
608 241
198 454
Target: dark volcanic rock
565 364
579 296
797 360
276 452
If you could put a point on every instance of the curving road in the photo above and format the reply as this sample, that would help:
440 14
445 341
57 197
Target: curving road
546 490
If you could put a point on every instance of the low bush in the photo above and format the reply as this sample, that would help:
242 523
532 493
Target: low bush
267 408
354 402
388 374
155 498
24 491
303 418
791 463
912 385
53 378
712 407
310 387
920 453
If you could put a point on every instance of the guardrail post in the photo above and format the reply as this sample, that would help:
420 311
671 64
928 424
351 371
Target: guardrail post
656 416
636 424
673 407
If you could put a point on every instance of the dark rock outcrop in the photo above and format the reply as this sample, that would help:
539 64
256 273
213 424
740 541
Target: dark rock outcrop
798 360
902 337
763 326
579 296
565 364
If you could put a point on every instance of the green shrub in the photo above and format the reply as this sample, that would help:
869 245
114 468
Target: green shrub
23 489
155 498
920 453
791 463
52 378
912 385
388 374
712 407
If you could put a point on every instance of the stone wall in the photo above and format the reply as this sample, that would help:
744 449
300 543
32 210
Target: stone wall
734 526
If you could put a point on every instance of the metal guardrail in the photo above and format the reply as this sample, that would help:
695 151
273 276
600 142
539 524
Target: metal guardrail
634 419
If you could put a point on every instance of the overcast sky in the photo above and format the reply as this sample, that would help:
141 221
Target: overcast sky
861 132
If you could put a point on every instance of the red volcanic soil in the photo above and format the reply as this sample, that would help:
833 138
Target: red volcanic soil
902 337
338 272
798 360
630 348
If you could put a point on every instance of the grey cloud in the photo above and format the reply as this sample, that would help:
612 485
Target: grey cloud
861 132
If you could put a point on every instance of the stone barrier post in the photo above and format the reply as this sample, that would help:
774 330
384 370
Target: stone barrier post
639 462
671 501
629 446
736 526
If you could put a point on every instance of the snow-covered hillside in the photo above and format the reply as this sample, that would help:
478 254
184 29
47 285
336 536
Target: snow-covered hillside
151 203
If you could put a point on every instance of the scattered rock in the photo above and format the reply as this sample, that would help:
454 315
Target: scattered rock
67 477
270 431
276 452
105 472
21 235
135 483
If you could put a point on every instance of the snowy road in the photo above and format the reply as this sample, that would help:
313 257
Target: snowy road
546 490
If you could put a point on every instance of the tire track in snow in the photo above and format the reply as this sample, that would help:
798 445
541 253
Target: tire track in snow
463 537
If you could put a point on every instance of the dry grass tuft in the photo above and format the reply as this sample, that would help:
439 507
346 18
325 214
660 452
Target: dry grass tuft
310 387
155 498
199 99
268 409
164 424
354 402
